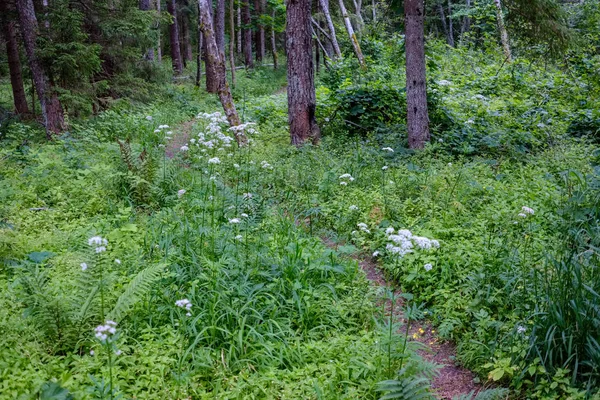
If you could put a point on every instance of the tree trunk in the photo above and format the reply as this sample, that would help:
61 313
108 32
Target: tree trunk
416 88
358 9
14 62
212 81
158 44
325 8
186 48
301 88
199 55
219 24
232 41
217 60
443 20
258 44
466 25
52 111
247 34
174 38
273 42
503 32
374 10
355 44
450 25
239 30
145 6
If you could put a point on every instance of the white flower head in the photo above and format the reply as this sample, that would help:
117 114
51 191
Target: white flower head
363 227
149 117
157 131
444 82
181 192
376 253
353 208
163 126
184 303
214 160
100 249
117 261
428 267
184 148
235 221
388 149
83 266
521 329
385 167
106 331
343 183
97 241
527 210
389 231
239 238
522 215
247 196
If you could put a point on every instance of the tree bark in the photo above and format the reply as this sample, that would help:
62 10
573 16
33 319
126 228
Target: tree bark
14 62
174 38
417 119
239 30
450 25
217 60
158 44
247 34
186 43
219 24
443 19
301 89
259 33
358 9
232 41
145 6
352 35
503 32
273 42
199 55
212 82
52 111
325 8
466 25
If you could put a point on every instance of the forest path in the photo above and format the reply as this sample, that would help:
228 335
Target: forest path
452 379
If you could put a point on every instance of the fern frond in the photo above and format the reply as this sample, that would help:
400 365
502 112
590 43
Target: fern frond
127 155
409 388
137 288
490 394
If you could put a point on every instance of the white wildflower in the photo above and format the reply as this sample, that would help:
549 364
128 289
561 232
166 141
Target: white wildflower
428 267
149 117
169 132
522 215
117 261
376 254
92 353
157 131
363 227
469 122
239 237
343 183
234 221
345 176
185 304
106 331
389 231
83 266
236 166
214 160
181 192
163 126
247 196
521 329
388 149
422 242
100 249
184 148
527 210
244 215
353 208
97 241
385 167
444 82
118 353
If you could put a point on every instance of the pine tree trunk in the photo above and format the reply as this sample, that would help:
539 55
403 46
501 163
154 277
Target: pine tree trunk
352 35
212 80
247 34
219 24
199 55
239 30
503 32
301 89
52 111
174 38
186 48
325 9
443 20
273 42
145 6
450 25
158 44
257 38
466 25
416 86
14 62
232 41
218 62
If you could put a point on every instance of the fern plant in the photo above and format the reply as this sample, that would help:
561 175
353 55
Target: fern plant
490 394
406 387
141 173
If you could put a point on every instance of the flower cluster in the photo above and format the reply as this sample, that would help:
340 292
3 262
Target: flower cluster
106 331
265 165
363 227
181 192
186 305
526 211
403 242
345 179
100 244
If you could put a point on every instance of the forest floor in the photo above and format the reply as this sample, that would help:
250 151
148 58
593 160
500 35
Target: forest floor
451 379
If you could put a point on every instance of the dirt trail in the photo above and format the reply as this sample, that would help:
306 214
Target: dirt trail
181 135
452 380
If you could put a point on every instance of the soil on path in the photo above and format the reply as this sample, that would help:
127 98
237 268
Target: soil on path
452 379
